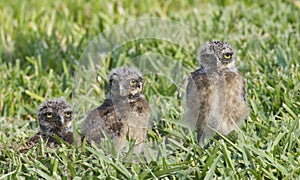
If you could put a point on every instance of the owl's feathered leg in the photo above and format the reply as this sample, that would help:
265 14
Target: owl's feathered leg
201 137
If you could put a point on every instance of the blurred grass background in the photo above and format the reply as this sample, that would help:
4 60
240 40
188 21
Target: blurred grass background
42 40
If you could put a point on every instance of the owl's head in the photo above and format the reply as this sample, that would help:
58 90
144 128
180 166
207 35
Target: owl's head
125 82
217 55
55 116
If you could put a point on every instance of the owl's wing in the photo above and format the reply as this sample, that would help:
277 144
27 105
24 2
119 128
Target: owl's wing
243 87
50 140
35 139
101 120
34 142
197 102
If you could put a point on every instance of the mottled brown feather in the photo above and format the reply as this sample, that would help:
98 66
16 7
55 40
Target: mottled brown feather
105 119
52 142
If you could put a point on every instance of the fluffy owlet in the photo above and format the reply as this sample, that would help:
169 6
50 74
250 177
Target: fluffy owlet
125 113
216 94
54 117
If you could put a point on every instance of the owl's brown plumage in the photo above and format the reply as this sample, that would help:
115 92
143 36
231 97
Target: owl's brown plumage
125 111
55 118
216 95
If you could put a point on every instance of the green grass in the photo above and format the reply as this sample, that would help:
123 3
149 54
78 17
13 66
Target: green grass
41 41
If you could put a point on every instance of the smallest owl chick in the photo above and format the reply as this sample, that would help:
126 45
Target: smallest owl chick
55 118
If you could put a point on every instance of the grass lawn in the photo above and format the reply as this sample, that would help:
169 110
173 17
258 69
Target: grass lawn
44 45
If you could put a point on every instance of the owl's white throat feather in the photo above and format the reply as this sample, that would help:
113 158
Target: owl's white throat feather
228 67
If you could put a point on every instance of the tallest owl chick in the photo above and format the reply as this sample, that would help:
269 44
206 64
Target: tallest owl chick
124 114
216 94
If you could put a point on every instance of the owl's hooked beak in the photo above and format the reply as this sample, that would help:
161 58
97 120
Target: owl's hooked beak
137 89
219 63
122 90
61 121
132 91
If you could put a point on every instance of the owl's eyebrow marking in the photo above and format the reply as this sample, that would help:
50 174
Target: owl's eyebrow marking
228 53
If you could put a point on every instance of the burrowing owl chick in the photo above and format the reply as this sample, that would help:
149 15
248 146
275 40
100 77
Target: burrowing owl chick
54 117
218 90
126 111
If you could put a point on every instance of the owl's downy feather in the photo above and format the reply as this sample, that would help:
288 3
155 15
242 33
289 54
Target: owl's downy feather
55 118
219 90
125 112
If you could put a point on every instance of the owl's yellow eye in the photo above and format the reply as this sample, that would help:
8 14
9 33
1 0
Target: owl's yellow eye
133 82
227 56
68 114
49 115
